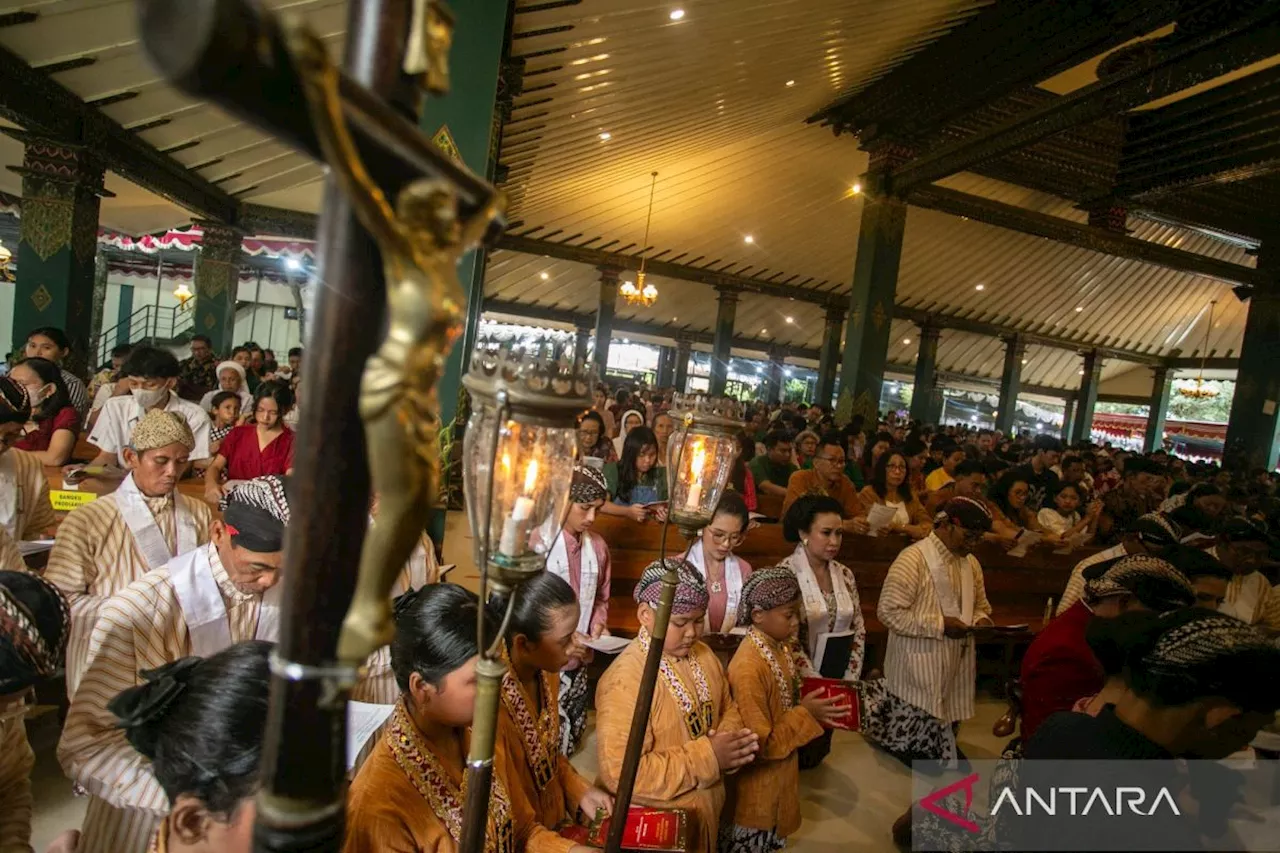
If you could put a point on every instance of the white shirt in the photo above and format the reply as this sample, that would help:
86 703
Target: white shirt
120 414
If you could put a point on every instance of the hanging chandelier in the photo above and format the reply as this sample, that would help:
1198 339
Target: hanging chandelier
1200 391
641 292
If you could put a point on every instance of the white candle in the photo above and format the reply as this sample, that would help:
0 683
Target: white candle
523 509
695 496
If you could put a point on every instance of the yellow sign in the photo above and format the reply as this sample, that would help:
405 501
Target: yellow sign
443 140
65 501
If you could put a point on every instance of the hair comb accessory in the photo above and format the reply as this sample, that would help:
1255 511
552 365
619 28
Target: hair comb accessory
149 702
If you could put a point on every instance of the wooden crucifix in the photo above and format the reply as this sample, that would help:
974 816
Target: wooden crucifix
396 215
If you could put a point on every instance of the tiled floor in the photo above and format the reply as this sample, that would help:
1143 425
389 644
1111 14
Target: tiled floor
849 803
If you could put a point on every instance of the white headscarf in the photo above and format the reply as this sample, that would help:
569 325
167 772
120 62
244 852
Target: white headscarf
232 365
622 436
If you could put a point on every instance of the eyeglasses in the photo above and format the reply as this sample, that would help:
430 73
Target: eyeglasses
895 466
834 460
722 538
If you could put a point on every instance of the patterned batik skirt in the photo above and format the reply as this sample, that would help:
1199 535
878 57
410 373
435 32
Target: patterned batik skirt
904 731
573 709
740 839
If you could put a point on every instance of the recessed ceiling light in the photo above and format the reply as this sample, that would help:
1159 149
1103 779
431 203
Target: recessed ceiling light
979 287
1024 361
1079 308
677 14
673 319
906 340
544 276
1080 372
748 239
791 319
857 188
764 331
605 136
791 82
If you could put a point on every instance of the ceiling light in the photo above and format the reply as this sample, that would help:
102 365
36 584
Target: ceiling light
787 371
292 264
764 331
748 239
791 83
544 276
791 319
606 136
625 341
857 188
1079 308
677 14
1080 372
1024 361
673 319
979 287
906 340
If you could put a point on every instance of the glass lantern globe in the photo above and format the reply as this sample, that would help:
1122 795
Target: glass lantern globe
518 456
700 456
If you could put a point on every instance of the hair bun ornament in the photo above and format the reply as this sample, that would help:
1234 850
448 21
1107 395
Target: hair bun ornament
148 703
404 603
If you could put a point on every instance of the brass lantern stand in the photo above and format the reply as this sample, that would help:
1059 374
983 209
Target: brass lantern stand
518 456
700 455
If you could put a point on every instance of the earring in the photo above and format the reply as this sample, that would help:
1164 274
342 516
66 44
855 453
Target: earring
805 542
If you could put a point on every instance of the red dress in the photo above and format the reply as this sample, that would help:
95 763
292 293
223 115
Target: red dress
1058 669
245 461
39 439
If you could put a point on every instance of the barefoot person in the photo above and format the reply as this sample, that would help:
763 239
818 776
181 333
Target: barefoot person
695 735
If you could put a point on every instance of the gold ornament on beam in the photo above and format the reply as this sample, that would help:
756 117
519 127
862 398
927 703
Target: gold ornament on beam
640 292
1202 391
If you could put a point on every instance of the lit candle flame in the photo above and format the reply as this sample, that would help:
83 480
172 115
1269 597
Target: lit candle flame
506 465
531 477
699 460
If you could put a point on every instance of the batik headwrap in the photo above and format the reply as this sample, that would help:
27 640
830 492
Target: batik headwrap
158 428
588 485
33 630
14 402
691 593
1203 653
765 589
968 513
1153 581
1156 528
256 513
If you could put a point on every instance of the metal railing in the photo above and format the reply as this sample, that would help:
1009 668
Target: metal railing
150 325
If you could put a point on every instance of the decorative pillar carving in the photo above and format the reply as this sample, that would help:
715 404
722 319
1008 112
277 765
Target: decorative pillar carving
61 189
217 284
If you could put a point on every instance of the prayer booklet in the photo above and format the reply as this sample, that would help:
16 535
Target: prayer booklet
834 687
834 651
608 644
1025 541
880 517
661 830
363 720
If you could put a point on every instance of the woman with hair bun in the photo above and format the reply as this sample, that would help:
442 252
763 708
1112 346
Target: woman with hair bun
200 723
408 795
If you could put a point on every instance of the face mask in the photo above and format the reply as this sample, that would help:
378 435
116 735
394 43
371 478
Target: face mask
36 396
146 399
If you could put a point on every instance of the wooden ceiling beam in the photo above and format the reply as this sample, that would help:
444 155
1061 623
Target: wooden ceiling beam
1240 40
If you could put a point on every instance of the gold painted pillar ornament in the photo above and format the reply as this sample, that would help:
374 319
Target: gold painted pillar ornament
517 458
421 240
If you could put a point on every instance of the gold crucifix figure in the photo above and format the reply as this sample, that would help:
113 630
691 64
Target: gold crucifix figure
421 241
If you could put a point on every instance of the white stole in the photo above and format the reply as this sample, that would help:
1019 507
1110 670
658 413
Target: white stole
146 533
588 575
815 603
1244 596
936 556
205 612
732 589
10 496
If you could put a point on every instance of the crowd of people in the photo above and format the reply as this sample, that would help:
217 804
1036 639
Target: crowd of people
161 610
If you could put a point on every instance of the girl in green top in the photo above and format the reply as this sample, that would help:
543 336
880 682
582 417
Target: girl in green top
637 483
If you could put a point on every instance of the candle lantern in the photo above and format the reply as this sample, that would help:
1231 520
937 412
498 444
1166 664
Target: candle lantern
518 456
700 455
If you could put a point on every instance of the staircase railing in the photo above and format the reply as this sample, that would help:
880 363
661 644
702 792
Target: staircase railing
150 324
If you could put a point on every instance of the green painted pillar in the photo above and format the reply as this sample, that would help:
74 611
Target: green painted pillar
124 313
875 282
1068 419
1088 396
61 187
829 355
926 396
722 343
582 345
604 317
217 285
1161 387
684 351
1255 409
666 365
97 357
467 125
1015 350
777 367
